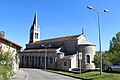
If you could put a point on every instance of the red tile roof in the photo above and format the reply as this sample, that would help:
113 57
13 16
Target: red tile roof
53 50
60 39
4 40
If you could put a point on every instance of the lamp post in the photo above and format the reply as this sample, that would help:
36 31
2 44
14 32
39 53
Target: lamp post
46 46
98 12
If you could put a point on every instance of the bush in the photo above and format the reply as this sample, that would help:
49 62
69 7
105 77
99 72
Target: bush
4 72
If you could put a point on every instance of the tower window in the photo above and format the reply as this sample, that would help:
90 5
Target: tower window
36 35
88 59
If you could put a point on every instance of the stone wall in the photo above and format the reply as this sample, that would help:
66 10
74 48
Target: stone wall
87 50
37 60
67 66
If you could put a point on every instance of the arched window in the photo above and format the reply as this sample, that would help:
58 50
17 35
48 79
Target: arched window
22 60
30 58
39 59
36 58
51 60
43 59
25 57
27 60
32 61
87 59
36 35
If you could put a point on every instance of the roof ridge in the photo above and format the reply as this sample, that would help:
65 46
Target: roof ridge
60 37
11 41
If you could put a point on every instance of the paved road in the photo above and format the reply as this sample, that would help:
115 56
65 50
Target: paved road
38 74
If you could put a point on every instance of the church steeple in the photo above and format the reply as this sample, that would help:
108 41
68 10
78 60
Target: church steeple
34 30
35 22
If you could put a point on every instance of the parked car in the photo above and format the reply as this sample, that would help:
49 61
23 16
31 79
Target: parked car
114 67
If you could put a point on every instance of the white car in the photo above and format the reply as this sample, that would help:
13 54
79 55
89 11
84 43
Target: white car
114 67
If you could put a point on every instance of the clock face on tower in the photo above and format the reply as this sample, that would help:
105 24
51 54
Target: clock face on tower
0 46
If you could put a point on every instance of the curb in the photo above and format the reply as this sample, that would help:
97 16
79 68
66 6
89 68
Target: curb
69 76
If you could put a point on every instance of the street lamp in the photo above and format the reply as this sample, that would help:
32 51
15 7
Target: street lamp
91 8
46 46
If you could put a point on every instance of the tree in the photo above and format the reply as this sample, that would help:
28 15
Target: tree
112 55
97 59
115 43
114 49
6 57
105 60
6 64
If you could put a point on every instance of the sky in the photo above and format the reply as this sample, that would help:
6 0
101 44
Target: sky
58 18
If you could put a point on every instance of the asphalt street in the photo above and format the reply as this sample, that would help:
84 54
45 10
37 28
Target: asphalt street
38 74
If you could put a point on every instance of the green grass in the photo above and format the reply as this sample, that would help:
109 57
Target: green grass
93 75
3 71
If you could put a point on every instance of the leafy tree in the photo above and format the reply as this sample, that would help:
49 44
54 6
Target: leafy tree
105 60
115 56
114 49
97 59
115 43
6 58
6 64
112 56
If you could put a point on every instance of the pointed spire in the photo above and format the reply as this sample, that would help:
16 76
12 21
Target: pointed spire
34 30
35 22
82 31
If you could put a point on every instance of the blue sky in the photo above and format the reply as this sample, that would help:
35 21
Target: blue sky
59 18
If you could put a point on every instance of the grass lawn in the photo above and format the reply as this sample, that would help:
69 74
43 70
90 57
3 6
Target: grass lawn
92 75
3 71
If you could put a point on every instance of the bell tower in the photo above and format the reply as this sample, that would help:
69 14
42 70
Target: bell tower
34 31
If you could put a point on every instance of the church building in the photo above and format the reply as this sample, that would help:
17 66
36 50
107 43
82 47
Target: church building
63 53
